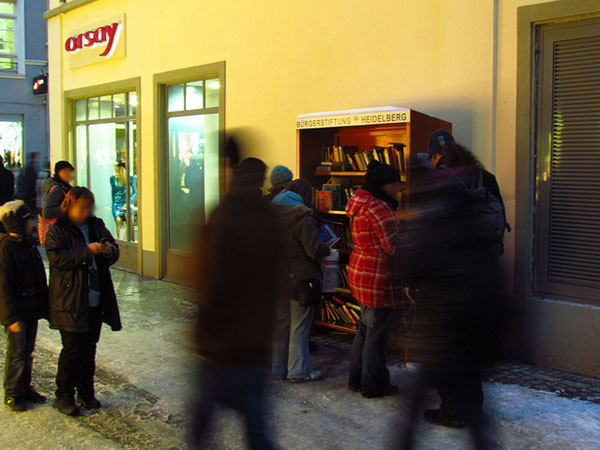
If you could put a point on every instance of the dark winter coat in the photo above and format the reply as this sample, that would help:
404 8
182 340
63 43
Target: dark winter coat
302 245
70 259
54 191
237 274
27 182
7 185
23 286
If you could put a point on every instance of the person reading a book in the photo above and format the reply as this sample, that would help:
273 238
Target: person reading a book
303 249
375 233
280 177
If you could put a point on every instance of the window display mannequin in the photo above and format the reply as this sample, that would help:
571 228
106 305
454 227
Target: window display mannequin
118 184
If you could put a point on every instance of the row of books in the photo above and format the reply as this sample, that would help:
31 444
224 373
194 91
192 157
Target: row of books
344 277
349 158
340 312
333 197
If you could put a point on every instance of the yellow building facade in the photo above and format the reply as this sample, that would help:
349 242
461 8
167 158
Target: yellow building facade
260 64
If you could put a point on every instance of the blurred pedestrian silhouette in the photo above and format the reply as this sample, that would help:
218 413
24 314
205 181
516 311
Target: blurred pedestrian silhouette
448 258
237 274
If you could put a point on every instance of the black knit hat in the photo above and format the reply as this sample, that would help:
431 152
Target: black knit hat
14 216
437 140
379 174
60 165
303 188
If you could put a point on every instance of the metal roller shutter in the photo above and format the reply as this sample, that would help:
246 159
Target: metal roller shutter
568 202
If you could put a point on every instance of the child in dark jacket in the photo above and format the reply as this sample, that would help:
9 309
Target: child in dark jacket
23 301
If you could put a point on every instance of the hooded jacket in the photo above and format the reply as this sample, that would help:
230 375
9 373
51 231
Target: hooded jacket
302 245
23 286
70 258
375 235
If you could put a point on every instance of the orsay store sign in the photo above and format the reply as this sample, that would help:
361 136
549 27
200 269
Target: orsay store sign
96 43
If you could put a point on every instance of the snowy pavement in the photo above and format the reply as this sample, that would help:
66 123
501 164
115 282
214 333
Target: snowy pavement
144 374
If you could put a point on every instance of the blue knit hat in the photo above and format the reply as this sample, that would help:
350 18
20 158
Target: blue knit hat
281 174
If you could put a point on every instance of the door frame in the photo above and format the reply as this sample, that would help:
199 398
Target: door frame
177 259
544 328
114 87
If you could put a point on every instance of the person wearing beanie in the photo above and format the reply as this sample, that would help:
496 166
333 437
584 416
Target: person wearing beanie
55 188
281 176
23 301
303 250
375 234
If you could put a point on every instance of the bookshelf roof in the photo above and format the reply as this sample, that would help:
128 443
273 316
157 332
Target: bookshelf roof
354 117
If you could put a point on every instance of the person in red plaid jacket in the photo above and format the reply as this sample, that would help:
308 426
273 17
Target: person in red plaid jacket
375 233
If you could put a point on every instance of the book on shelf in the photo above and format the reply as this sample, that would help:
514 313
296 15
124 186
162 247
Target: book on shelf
336 195
324 200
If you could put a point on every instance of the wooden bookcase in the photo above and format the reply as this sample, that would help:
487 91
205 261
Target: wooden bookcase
361 129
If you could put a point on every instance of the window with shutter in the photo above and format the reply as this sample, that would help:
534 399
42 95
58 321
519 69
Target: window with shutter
567 226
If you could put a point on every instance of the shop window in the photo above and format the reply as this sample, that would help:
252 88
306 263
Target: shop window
193 157
567 212
10 34
105 156
11 140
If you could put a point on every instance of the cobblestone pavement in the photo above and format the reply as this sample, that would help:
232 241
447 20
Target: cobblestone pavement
564 384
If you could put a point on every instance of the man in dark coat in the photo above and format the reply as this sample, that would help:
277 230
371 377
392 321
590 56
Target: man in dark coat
237 283
27 180
7 184
80 251
23 301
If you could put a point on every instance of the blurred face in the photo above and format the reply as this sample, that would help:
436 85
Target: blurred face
80 211
66 175
392 189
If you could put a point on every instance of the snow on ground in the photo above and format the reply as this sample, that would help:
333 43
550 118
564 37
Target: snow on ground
145 373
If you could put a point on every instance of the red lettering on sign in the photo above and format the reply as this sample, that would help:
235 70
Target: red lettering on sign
108 34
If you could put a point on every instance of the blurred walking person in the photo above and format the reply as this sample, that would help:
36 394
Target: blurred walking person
375 235
303 250
447 256
237 276
80 251
27 181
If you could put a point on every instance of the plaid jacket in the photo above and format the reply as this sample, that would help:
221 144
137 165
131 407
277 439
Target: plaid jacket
375 234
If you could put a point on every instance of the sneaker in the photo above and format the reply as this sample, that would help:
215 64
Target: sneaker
313 375
389 390
67 406
89 402
280 377
15 404
437 417
31 395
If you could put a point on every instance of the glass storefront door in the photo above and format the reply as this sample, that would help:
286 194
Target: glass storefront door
193 158
105 153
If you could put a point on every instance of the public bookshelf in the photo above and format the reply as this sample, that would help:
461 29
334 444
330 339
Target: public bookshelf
334 149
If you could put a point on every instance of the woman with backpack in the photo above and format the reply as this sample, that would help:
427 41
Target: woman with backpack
303 250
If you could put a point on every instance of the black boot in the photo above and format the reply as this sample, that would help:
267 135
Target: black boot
89 401
15 404
67 406
31 395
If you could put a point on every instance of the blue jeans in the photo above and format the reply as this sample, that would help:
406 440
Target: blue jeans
19 362
368 370
242 389
291 353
